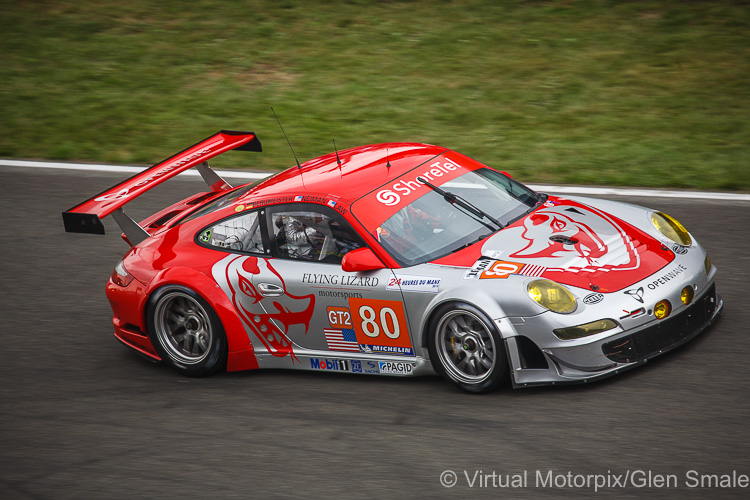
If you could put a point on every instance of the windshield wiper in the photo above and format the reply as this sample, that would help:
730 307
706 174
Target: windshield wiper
453 198
477 240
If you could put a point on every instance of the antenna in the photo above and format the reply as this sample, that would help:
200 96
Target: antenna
338 160
387 158
287 138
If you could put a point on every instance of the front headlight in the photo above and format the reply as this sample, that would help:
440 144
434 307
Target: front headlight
576 332
670 228
552 296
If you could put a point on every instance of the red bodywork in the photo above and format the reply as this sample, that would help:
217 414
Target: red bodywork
367 186
171 256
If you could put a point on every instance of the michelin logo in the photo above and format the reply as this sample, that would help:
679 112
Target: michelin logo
386 349
395 368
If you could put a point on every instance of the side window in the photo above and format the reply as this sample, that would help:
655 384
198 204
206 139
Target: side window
312 235
241 233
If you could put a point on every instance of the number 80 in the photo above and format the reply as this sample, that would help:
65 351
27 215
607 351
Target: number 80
372 328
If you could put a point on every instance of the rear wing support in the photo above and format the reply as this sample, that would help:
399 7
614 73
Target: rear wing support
86 217
212 179
133 231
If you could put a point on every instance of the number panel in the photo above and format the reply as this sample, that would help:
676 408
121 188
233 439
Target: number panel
381 326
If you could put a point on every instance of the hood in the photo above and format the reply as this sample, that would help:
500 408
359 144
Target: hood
575 244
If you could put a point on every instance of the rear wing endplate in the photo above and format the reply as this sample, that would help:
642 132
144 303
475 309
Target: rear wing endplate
86 217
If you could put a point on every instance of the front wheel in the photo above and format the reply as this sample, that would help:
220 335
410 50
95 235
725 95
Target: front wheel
466 348
186 332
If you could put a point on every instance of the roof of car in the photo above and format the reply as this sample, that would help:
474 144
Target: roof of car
362 170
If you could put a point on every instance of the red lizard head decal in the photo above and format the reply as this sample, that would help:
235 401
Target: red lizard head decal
263 315
575 237
556 234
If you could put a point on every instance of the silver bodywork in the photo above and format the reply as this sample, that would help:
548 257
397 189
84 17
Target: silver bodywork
294 286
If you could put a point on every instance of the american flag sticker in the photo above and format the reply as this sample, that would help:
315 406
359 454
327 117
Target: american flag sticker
298 198
344 339
331 203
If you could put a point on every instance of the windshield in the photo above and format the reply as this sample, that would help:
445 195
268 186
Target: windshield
432 226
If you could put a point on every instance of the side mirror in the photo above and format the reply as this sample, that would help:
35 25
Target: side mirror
361 259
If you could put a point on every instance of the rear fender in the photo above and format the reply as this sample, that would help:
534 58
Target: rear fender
237 338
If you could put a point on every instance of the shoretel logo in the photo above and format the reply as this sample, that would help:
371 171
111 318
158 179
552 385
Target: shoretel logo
388 197
125 192
405 187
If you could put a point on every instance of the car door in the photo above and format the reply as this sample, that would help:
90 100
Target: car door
358 313
246 265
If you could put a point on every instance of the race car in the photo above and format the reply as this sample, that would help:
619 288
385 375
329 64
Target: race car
398 259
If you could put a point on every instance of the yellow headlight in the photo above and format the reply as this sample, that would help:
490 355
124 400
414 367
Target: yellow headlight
687 294
707 264
670 228
576 332
554 297
662 309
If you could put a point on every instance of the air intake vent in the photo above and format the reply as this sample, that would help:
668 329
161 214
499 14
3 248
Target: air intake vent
164 219
200 199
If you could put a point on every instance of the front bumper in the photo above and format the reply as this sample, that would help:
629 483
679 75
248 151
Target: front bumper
616 354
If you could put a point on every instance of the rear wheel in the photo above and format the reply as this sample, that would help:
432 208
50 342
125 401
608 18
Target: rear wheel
466 348
186 332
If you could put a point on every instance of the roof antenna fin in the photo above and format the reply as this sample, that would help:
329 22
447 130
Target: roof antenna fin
287 138
338 160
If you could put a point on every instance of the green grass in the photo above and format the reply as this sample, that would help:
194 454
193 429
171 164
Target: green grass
649 93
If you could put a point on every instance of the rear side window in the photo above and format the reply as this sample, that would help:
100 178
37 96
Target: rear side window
241 234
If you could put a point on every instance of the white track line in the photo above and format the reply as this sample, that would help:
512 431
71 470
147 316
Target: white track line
546 188
646 193
234 174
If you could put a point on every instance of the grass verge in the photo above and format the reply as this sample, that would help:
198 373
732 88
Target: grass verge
647 93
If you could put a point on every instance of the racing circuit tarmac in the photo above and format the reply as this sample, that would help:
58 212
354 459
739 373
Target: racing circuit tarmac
81 416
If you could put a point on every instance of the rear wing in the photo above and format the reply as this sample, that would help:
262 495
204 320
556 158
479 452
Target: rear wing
86 217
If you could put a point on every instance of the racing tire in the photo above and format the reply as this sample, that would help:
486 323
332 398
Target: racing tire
466 348
186 332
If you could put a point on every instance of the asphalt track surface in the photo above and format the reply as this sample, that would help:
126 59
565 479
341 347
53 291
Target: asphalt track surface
81 416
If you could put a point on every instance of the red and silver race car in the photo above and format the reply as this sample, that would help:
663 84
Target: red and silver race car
398 259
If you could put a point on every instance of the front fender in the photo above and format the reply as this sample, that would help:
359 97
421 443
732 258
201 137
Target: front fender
467 294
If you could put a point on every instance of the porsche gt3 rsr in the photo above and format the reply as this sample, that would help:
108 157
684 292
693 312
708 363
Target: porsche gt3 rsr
398 259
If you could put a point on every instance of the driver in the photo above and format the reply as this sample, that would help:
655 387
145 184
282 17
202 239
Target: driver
301 240
408 227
